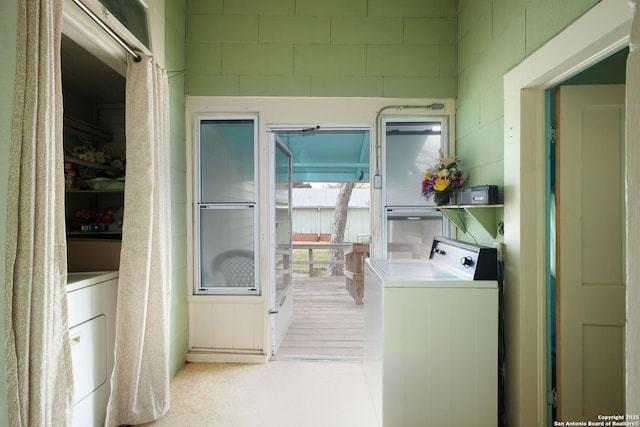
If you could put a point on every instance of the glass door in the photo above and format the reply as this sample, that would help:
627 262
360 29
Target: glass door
282 215
282 267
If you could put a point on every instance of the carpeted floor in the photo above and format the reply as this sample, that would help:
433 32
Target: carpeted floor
276 394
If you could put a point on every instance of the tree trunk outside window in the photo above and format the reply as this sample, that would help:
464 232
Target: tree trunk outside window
339 225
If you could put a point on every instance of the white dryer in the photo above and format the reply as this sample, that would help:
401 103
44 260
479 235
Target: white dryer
92 299
431 353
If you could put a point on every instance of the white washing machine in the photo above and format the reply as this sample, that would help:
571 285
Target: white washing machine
92 299
431 353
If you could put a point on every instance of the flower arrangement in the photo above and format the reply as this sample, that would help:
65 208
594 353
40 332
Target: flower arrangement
442 179
93 220
104 155
95 157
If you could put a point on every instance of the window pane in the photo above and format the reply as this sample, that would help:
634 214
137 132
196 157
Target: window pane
131 14
227 258
411 148
411 237
283 236
227 161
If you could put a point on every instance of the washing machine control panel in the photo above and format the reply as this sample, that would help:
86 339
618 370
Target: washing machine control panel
475 261
466 261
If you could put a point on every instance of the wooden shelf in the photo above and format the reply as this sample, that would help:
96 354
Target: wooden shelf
84 128
107 236
93 233
93 165
79 191
90 198
485 215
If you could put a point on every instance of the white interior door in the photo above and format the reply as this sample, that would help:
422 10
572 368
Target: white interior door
591 251
281 289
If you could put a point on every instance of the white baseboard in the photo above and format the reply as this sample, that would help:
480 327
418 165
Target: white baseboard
224 357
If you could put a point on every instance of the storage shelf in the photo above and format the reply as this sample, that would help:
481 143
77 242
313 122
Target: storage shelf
81 195
87 233
485 215
84 128
78 191
93 165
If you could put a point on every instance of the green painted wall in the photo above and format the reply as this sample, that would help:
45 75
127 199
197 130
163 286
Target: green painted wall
368 48
391 48
175 63
493 37
381 48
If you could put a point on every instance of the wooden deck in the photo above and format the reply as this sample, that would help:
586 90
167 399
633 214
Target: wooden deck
327 323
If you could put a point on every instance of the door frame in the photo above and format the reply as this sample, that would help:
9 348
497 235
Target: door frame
286 302
600 32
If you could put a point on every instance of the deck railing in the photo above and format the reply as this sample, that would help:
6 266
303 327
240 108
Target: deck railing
311 246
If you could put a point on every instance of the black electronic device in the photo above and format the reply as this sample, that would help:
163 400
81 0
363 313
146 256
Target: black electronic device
479 195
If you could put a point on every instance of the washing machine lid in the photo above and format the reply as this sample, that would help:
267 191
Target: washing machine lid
413 269
420 273
451 263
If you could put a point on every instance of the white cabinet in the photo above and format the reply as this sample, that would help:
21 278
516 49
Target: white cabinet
92 301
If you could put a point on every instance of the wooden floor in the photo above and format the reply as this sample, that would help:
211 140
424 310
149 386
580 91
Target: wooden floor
327 323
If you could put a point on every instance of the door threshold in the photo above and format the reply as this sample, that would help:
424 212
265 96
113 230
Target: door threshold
277 358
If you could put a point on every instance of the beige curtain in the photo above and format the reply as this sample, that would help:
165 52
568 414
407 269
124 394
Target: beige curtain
39 373
633 217
140 381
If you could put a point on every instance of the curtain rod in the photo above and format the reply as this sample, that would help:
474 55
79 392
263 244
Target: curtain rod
108 30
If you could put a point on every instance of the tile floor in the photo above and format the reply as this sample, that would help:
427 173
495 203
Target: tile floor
276 394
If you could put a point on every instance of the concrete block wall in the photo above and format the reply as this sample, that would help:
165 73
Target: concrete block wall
174 40
494 36
368 48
